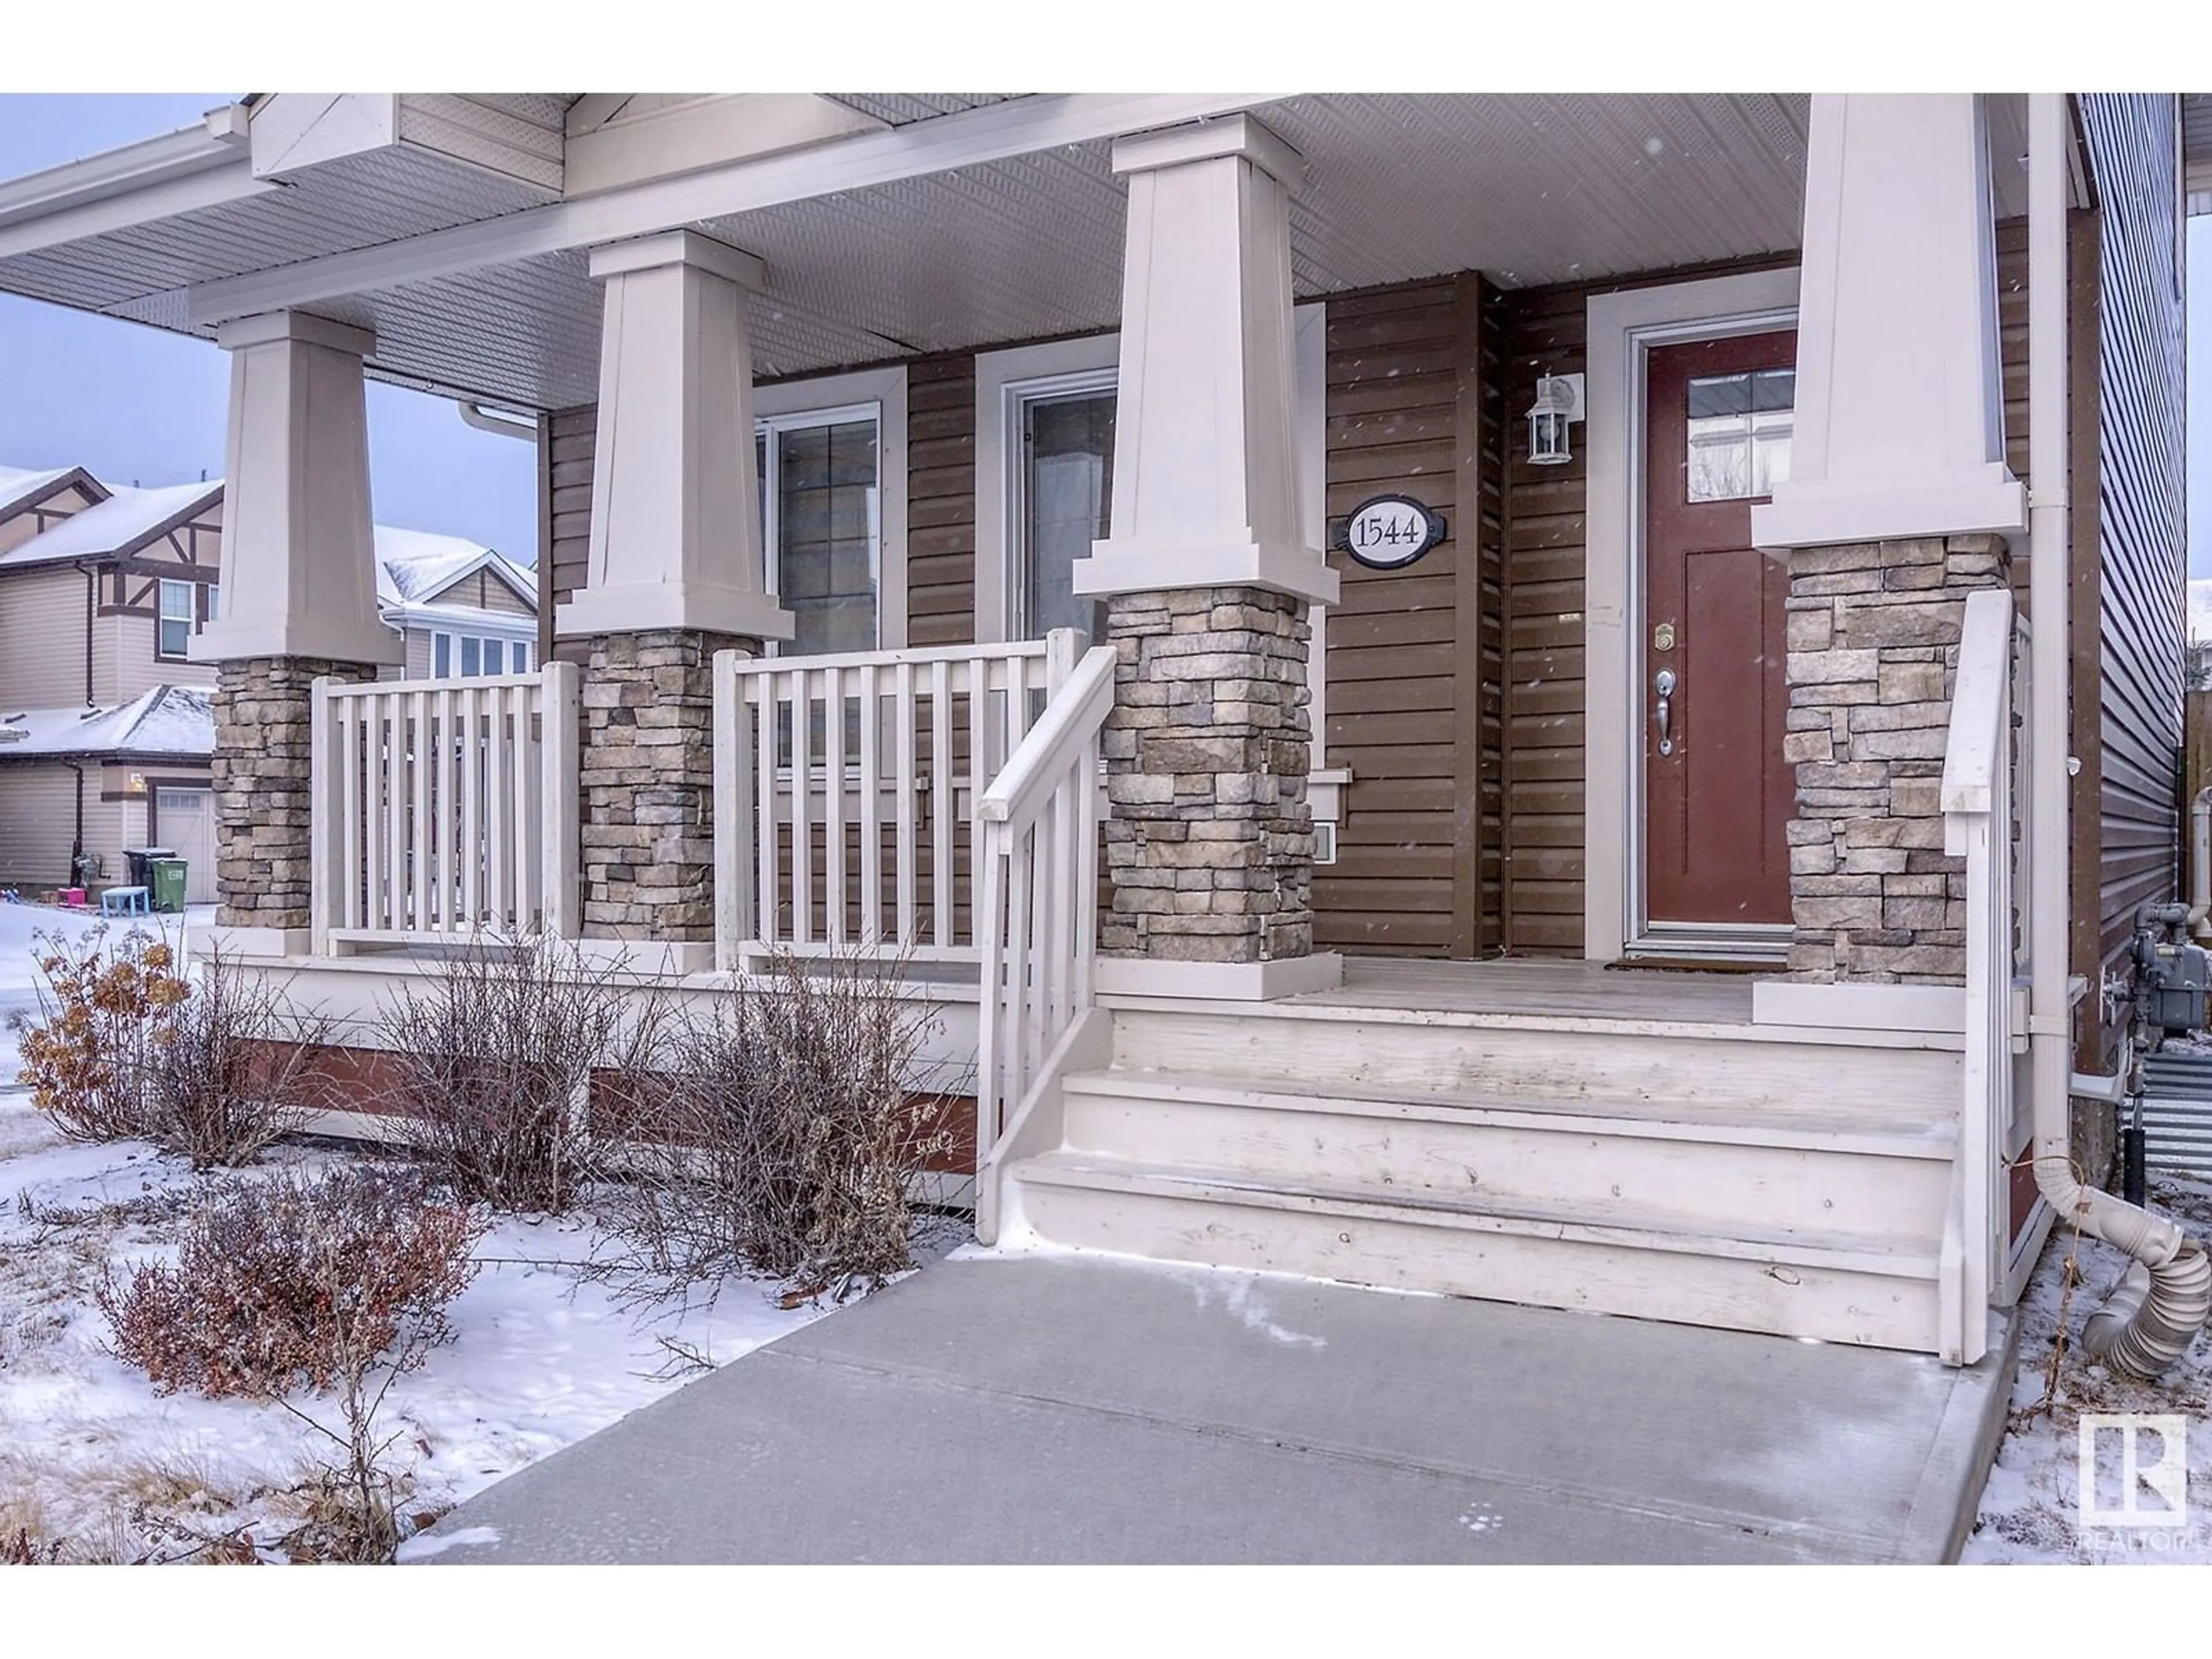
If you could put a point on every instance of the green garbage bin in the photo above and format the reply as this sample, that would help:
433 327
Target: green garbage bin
168 884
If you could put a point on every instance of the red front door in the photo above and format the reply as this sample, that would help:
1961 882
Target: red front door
1717 794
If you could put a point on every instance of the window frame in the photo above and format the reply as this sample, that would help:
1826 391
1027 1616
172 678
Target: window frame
881 392
191 619
1019 575
766 429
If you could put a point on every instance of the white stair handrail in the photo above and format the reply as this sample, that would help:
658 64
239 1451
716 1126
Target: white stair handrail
1038 898
1976 795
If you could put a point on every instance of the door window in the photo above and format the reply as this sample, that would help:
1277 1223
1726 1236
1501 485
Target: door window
1739 434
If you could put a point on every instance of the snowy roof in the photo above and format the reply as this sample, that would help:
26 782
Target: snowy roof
126 518
169 719
413 566
18 485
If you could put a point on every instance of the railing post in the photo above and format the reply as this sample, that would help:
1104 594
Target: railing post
559 761
1063 649
326 835
736 780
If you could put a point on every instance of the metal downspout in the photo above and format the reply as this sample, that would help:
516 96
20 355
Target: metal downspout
2150 1321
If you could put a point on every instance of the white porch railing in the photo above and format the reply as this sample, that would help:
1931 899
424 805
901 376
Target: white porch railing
1984 764
445 807
846 790
1038 899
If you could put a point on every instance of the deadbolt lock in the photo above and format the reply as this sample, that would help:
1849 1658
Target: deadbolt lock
1663 637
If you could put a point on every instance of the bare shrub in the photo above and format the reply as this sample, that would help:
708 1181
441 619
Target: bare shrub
104 1012
232 1071
493 1063
292 1283
283 1280
775 1133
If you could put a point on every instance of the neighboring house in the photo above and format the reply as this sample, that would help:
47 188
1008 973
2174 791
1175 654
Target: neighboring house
106 730
105 727
462 608
1589 531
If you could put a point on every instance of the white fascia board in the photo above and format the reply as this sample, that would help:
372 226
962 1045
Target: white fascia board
460 619
685 138
181 173
973 138
172 155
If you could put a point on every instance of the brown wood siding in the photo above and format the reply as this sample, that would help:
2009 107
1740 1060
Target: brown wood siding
568 510
2133 151
940 500
1414 702
1545 558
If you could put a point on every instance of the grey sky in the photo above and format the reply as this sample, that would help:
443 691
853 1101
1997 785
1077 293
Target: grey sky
137 404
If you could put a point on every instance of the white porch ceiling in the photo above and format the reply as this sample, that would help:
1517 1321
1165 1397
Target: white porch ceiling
1530 189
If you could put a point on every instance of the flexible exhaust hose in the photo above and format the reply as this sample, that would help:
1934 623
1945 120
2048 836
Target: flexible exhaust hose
2162 1302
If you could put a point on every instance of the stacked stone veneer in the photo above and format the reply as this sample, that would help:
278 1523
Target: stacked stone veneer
1874 652
1210 844
264 734
647 784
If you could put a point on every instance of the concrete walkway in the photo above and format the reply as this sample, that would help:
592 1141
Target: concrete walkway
1085 1409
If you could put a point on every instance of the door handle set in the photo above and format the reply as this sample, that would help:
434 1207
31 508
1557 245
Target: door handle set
1664 684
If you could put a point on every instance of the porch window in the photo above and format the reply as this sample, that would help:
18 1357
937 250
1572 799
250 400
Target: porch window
179 613
821 526
1065 491
1739 429
471 654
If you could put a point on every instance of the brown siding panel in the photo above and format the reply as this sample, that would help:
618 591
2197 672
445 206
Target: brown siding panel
1414 705
940 500
567 461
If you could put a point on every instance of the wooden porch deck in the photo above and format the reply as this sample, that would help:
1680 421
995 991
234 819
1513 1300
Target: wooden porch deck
1530 986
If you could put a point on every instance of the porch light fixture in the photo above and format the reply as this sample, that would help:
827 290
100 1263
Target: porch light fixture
1558 405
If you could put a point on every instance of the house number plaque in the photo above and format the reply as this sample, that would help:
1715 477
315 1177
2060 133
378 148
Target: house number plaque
1388 532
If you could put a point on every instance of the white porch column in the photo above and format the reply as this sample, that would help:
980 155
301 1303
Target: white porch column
1204 444
1899 505
1208 577
1900 402
675 538
298 587
675 574
299 576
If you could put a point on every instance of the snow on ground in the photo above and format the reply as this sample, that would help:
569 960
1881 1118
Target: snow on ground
88 1453
2030 1509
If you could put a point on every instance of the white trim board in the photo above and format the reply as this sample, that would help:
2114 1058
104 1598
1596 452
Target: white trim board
1623 327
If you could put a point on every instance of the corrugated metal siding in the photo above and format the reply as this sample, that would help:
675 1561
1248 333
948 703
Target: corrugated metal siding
2134 160
38 824
1413 660
940 500
42 639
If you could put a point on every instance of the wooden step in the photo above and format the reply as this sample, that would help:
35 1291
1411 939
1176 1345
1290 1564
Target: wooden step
1735 1073
1757 1171
1607 1258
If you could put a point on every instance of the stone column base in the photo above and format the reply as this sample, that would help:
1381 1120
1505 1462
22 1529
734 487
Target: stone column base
1874 631
647 785
263 718
1210 844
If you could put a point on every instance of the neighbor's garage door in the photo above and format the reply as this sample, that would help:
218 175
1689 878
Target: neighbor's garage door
186 818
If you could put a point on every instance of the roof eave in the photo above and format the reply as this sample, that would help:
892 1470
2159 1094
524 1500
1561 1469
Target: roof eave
218 140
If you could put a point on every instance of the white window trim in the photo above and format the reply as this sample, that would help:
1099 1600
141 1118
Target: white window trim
880 393
1623 327
191 618
1004 380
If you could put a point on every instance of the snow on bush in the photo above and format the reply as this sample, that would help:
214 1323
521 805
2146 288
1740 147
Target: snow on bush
106 1015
